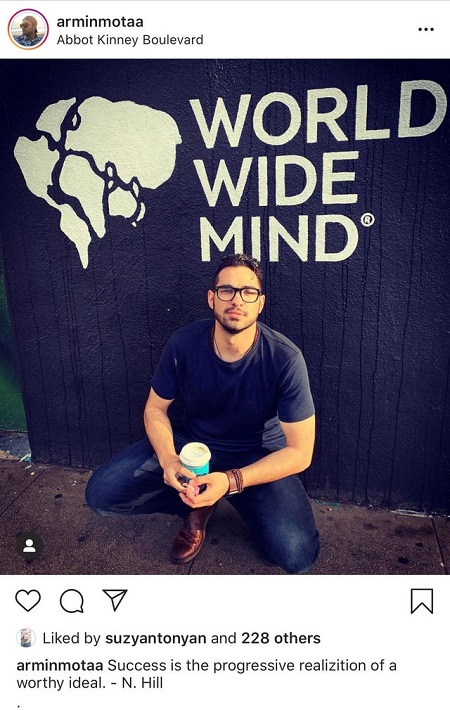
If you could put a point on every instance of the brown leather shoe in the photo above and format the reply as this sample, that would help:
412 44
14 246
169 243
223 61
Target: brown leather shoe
192 535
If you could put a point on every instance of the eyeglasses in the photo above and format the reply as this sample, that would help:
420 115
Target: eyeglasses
248 294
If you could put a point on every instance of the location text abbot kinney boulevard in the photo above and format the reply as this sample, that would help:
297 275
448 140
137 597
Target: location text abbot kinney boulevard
129 40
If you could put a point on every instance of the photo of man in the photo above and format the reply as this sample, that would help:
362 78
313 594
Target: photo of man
259 426
328 176
28 31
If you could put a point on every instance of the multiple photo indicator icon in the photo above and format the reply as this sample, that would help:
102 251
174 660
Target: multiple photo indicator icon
71 601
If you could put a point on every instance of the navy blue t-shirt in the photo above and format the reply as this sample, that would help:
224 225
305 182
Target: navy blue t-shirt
235 405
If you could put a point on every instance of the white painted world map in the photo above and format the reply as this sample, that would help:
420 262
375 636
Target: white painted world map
92 161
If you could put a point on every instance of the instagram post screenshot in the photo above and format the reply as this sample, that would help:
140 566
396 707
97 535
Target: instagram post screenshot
224 353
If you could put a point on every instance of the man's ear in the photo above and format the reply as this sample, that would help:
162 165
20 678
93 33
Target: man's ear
211 299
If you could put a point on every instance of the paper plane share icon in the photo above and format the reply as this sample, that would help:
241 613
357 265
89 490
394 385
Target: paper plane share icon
116 596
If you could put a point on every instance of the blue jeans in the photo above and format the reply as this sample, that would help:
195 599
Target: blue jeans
278 514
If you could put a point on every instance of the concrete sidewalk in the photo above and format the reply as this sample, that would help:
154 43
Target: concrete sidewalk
50 501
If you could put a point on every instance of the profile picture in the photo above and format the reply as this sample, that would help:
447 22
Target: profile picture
28 29
26 638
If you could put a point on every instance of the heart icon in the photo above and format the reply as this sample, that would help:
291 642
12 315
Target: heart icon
28 600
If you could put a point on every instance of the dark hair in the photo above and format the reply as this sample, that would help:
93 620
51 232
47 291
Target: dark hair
239 260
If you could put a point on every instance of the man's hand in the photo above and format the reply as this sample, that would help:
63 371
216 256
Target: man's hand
174 473
216 487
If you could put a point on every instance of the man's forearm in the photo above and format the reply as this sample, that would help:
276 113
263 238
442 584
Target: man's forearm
160 434
275 465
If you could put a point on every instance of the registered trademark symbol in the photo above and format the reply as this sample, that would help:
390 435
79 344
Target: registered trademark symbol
367 219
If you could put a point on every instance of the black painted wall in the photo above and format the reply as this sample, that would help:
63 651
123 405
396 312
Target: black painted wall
368 307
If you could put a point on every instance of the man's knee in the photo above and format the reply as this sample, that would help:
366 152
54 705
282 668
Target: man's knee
103 495
96 498
296 557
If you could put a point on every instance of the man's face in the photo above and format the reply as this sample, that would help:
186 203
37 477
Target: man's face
236 315
29 26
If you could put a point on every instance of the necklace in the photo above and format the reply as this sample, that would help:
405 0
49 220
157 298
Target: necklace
213 338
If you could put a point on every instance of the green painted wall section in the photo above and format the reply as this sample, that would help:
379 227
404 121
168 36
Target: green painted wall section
12 415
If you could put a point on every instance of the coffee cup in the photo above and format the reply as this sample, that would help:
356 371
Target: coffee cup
195 457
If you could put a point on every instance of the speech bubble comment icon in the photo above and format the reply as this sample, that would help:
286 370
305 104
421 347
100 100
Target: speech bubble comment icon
72 601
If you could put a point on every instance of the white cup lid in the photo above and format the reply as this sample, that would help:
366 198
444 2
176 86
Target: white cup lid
195 454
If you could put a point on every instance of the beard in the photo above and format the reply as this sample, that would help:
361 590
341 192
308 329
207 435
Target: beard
231 326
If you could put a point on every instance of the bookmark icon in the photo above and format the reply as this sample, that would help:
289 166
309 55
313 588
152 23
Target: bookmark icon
421 597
